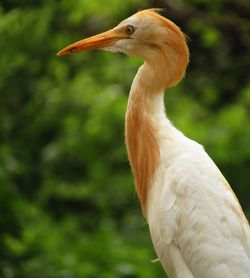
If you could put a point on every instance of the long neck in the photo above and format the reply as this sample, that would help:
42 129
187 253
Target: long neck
145 119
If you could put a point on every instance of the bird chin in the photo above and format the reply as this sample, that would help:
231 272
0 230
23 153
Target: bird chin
111 49
119 46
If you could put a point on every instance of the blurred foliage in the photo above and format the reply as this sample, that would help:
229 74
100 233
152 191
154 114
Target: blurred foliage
67 202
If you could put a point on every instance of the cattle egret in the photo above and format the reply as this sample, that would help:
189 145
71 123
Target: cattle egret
196 223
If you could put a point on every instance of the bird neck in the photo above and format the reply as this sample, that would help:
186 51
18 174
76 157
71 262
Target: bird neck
145 120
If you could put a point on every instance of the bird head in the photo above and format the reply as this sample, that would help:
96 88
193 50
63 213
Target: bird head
145 34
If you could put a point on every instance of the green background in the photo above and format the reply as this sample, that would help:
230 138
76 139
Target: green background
68 207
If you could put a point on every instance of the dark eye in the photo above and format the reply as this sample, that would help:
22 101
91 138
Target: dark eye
130 29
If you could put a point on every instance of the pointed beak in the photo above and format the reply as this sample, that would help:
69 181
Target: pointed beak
99 41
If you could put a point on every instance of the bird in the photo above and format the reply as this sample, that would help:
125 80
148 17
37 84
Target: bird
196 222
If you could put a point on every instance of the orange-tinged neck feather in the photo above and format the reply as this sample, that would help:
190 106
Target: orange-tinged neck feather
142 144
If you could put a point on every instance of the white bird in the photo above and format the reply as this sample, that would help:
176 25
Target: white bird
196 223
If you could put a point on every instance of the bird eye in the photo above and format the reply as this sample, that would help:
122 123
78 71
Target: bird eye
130 29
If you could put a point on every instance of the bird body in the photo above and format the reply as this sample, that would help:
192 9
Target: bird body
196 223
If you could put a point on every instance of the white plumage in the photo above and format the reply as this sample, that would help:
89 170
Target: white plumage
197 225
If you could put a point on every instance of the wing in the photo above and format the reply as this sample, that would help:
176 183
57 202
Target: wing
200 217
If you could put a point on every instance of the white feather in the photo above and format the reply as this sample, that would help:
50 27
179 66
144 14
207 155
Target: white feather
197 226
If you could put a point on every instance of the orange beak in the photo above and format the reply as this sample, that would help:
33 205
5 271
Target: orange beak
102 40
